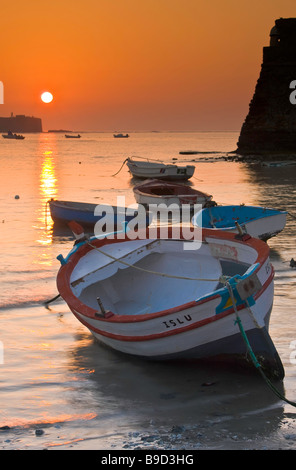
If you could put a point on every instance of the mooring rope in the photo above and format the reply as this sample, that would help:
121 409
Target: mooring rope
251 353
120 167
292 215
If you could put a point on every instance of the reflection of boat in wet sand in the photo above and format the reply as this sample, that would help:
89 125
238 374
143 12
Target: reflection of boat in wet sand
259 222
162 299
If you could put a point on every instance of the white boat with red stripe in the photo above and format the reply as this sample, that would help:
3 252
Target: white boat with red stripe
163 299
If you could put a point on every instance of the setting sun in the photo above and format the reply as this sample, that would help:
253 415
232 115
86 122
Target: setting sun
46 97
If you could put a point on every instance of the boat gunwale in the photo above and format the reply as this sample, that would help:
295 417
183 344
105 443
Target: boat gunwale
138 189
85 206
65 271
68 205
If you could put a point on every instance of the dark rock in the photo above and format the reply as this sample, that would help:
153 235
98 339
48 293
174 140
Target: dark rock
167 396
176 429
270 126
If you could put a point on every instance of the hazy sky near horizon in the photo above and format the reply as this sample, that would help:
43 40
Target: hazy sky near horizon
135 64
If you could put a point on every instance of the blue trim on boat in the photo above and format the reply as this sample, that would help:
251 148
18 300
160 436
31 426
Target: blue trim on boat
64 261
224 217
224 293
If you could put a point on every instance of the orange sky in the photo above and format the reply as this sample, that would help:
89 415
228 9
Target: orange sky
135 64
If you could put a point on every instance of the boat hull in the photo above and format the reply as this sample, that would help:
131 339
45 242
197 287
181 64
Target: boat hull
260 223
14 137
201 329
216 338
168 193
63 212
144 170
229 350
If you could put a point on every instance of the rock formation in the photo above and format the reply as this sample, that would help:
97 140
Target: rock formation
270 126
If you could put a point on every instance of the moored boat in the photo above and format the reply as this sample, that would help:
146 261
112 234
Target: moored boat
121 136
88 214
148 169
162 299
10 135
168 192
69 136
259 222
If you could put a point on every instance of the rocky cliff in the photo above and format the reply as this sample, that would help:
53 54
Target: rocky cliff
270 126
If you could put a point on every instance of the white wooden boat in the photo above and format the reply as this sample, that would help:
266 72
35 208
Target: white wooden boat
259 222
168 192
162 299
148 169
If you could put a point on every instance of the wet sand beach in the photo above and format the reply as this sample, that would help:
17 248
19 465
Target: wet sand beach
61 389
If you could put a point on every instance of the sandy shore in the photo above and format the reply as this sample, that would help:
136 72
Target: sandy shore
221 433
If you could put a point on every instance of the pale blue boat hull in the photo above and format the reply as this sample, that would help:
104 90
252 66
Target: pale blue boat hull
259 222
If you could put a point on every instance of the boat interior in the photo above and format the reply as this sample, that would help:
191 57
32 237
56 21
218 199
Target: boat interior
126 290
162 191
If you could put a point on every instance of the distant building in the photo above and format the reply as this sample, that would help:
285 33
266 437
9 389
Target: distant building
20 123
270 126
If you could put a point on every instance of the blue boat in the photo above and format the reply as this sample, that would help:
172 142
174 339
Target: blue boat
259 222
88 214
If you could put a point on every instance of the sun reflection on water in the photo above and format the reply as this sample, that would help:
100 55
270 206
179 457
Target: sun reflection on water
47 190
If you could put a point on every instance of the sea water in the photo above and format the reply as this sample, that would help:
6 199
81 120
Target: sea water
61 389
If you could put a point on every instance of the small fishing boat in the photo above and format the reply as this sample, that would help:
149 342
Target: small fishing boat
164 299
88 214
168 192
120 136
69 136
259 222
148 169
10 135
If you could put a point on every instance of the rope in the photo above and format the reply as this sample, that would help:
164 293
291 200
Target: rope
221 279
161 161
120 167
293 216
47 302
252 355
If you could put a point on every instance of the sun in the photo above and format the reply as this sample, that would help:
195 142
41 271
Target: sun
46 97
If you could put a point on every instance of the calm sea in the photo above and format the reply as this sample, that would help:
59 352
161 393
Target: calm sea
60 388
